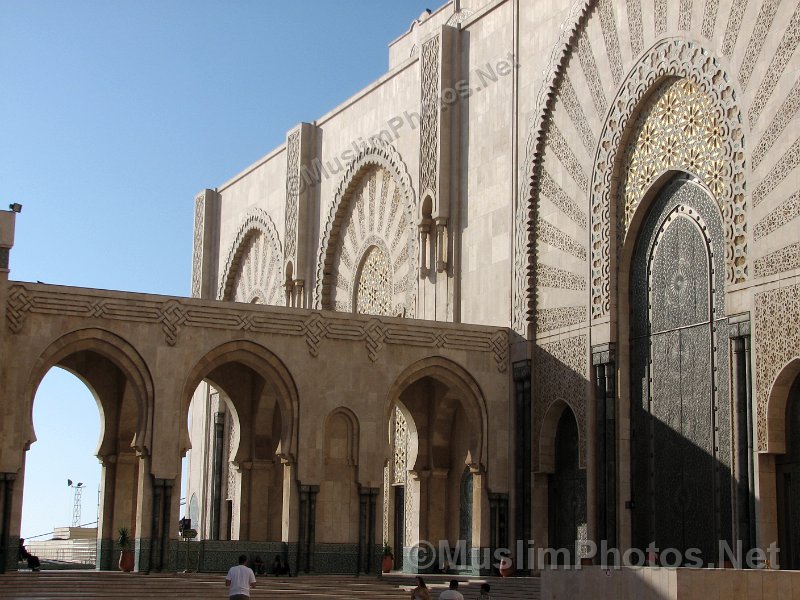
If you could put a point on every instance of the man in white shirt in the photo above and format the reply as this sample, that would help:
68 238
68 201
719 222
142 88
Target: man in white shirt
452 593
240 579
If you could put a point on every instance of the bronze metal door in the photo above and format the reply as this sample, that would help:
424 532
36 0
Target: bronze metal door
679 394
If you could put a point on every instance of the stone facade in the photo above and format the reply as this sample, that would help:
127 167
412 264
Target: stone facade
457 283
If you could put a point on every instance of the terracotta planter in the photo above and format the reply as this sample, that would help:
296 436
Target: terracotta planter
387 563
126 561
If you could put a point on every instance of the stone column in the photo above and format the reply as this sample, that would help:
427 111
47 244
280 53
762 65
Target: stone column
744 471
481 521
523 451
216 473
106 532
144 514
603 360
8 543
417 490
206 225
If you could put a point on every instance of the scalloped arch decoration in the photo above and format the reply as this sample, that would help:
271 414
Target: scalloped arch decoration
254 262
375 157
668 58
524 301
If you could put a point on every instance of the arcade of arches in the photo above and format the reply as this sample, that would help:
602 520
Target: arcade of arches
565 309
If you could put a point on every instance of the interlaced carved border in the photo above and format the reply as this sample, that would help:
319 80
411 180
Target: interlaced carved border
173 315
375 153
197 248
255 220
669 58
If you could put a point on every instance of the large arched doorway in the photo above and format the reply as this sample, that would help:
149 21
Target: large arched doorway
680 414
787 473
566 492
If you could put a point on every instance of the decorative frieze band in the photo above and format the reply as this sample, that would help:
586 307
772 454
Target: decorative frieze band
783 214
782 260
175 314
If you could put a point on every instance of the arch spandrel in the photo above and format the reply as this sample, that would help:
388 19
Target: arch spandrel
253 268
374 206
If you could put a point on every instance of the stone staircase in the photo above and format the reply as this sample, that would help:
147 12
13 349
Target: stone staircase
93 585
512 588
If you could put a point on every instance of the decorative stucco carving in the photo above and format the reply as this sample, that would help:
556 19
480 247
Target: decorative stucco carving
551 190
379 174
778 173
670 58
783 53
780 216
678 129
782 260
292 194
763 22
635 27
777 341
574 109
459 17
779 121
561 373
733 26
253 267
552 235
400 449
709 18
525 210
562 150
374 284
611 39
555 277
660 17
549 319
685 15
589 66
173 315
197 247
429 126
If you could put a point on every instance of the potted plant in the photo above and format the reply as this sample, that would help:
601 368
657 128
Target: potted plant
126 560
387 562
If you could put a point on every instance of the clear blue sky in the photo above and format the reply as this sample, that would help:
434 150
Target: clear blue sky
113 115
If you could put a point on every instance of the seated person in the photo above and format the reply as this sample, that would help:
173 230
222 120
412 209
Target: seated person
258 565
33 561
279 567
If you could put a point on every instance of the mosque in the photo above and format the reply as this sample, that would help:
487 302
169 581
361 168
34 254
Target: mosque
535 288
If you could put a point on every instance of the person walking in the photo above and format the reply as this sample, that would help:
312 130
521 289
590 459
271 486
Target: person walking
452 593
240 580
484 594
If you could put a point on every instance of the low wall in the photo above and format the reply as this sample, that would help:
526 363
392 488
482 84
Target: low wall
658 583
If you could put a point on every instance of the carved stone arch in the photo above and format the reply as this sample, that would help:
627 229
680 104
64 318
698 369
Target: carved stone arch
350 418
376 154
255 222
461 385
524 301
674 58
547 435
264 363
776 442
117 351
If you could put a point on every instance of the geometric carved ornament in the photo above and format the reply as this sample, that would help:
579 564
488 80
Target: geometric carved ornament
705 99
367 257
253 269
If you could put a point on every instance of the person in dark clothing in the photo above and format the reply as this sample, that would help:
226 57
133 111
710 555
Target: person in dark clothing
33 561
